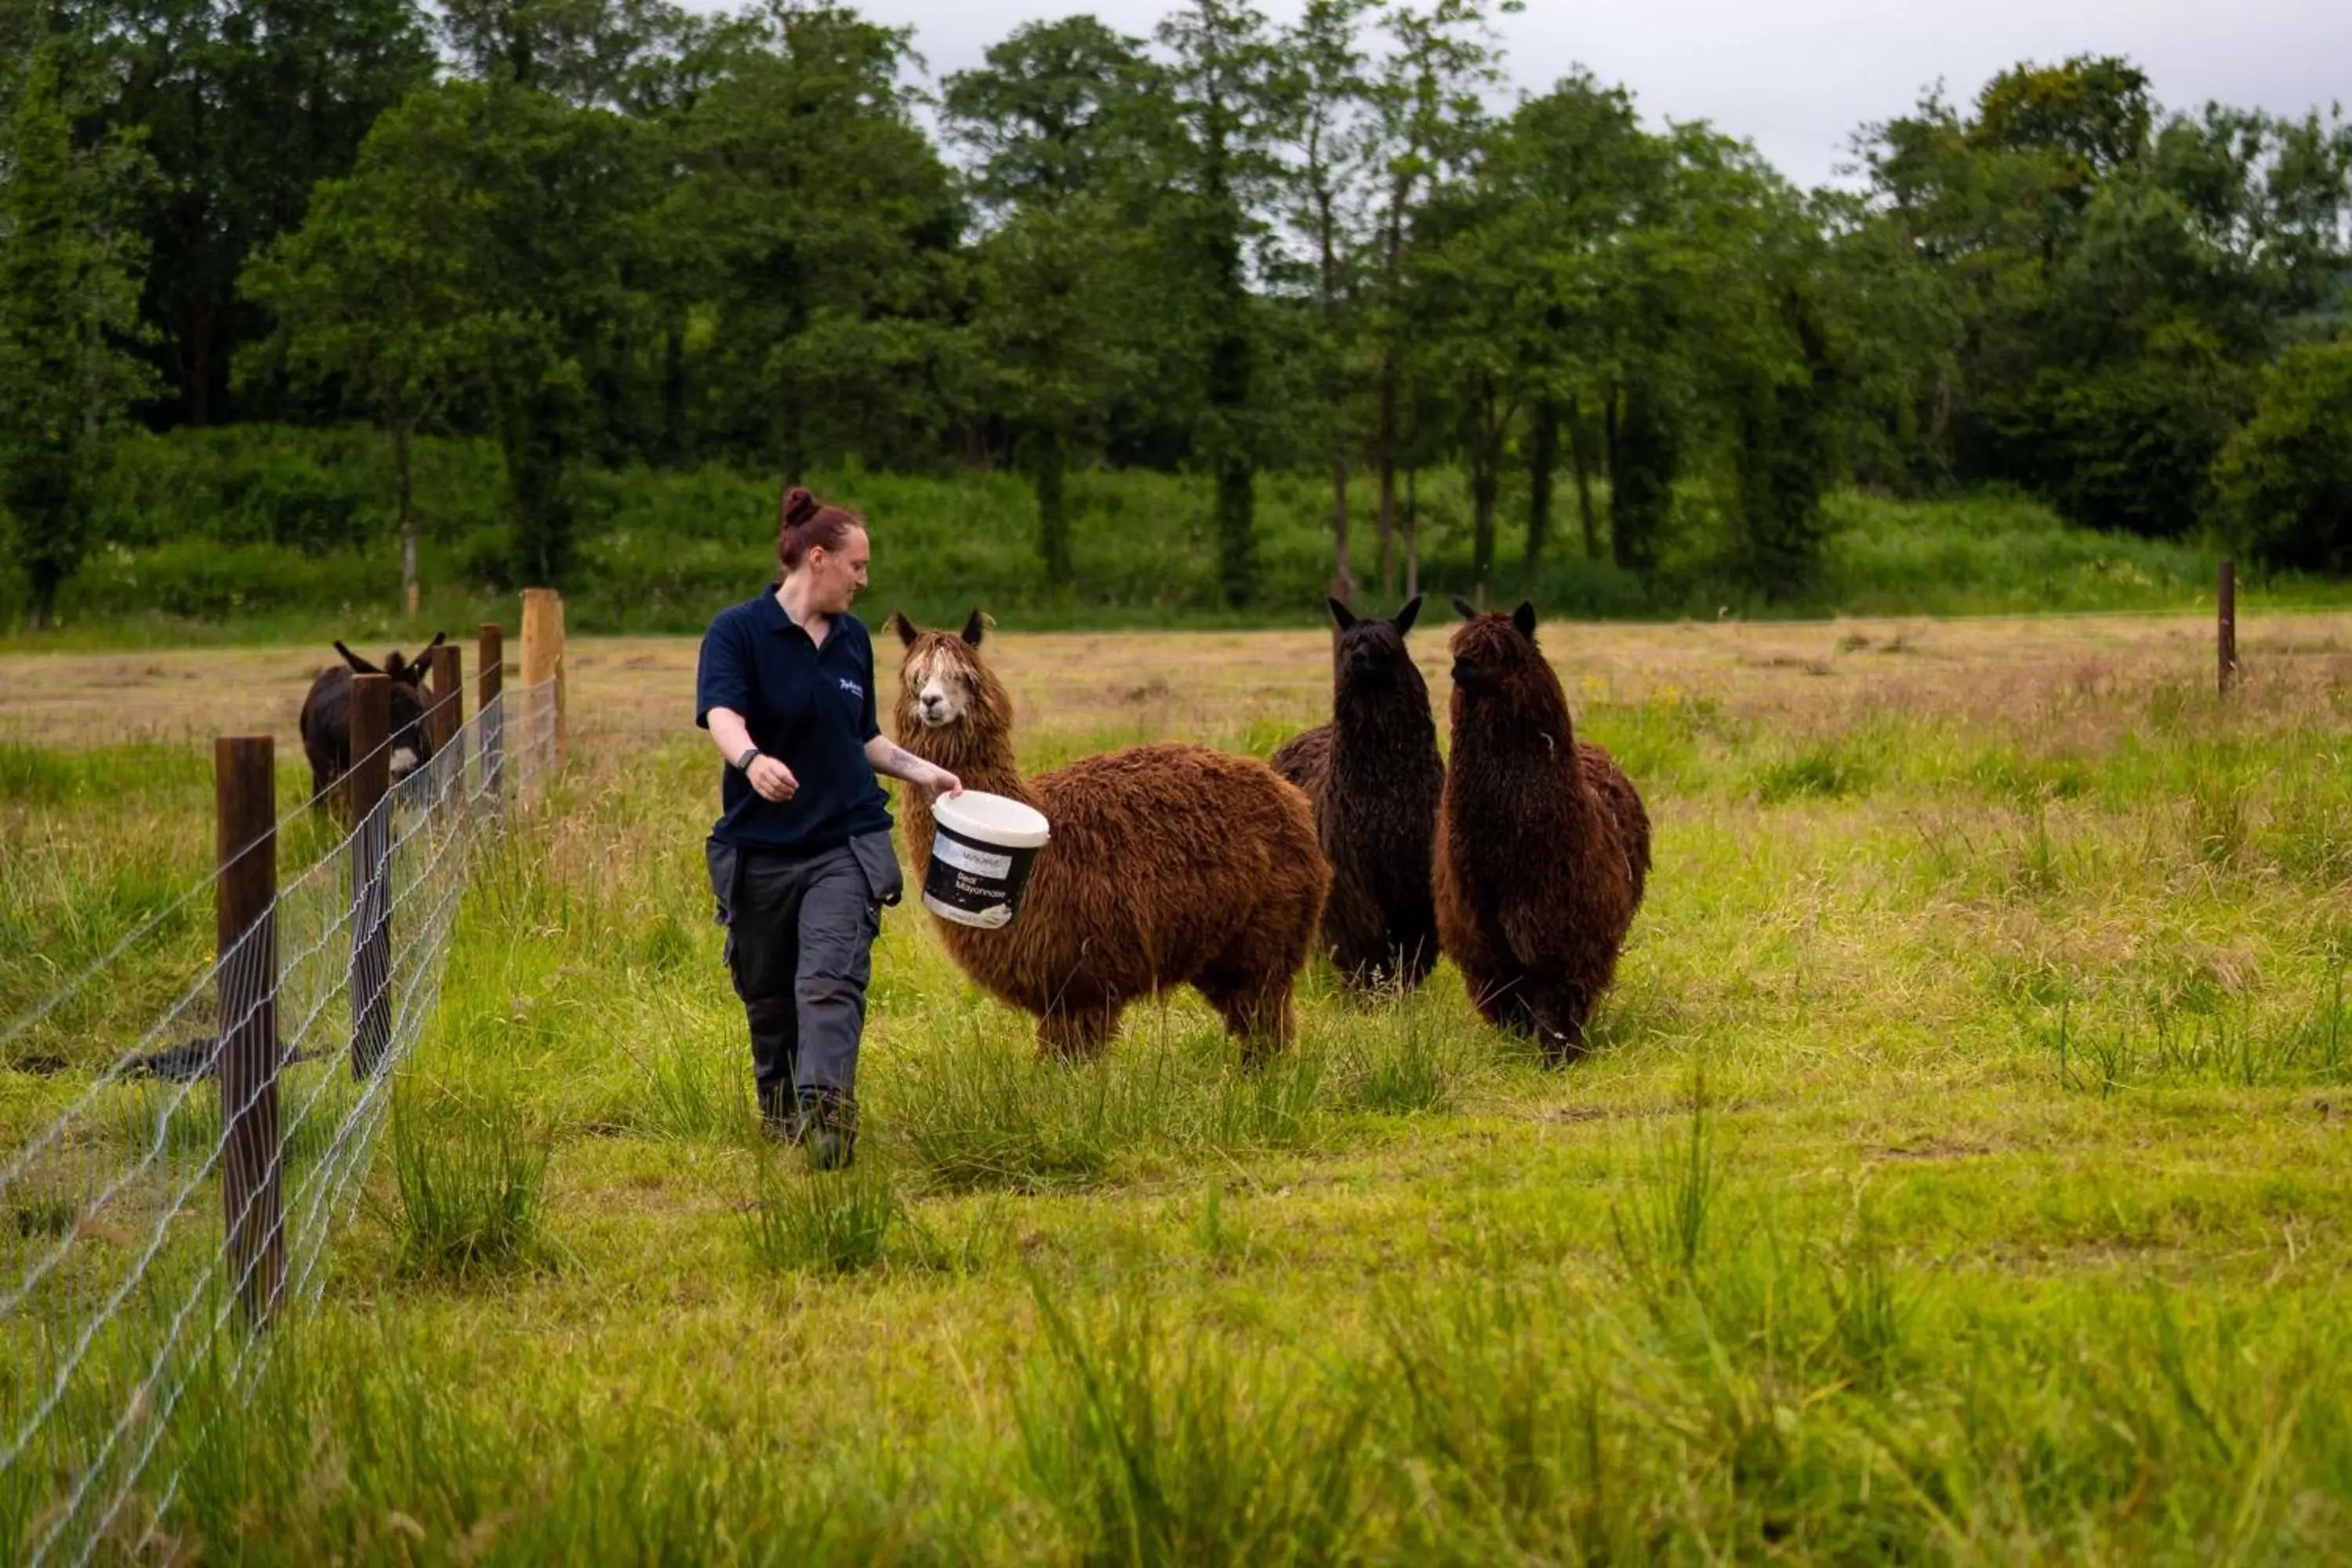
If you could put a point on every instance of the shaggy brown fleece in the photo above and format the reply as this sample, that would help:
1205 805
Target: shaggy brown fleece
1542 844
1374 775
1169 865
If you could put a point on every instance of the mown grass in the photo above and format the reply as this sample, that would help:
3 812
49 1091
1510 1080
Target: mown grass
1958 1176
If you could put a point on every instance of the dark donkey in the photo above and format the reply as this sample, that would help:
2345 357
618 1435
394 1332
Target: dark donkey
326 715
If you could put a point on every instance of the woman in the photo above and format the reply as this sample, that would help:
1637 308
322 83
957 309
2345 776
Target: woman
800 859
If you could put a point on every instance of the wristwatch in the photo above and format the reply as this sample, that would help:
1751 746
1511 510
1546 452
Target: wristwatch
743 763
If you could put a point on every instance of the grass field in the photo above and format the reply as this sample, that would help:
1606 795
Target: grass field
1960 1176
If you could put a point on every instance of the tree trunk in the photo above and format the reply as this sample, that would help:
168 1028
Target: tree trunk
200 362
1236 516
1614 450
1387 460
1343 567
1048 465
1483 429
1580 458
403 510
1543 457
1485 483
1411 533
678 439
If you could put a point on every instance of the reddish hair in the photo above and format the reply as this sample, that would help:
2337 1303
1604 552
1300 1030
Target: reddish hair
805 523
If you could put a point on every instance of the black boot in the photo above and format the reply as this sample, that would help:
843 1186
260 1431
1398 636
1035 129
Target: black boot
829 1130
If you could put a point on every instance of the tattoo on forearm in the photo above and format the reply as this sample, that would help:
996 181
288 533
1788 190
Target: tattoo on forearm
901 763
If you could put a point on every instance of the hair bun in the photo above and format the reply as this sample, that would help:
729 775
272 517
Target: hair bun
799 506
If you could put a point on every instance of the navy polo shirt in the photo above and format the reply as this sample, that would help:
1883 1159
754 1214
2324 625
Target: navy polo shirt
810 708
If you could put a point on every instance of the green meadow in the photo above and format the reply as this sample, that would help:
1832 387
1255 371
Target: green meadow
1959 1176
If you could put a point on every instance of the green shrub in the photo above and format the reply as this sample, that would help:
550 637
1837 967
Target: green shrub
2285 478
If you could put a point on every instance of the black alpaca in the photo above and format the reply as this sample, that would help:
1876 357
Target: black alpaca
1375 777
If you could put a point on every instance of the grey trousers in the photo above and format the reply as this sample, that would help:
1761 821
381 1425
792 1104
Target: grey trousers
799 935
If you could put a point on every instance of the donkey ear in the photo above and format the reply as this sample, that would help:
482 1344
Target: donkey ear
398 668
438 638
1523 617
905 628
975 626
359 666
1402 620
1341 617
1464 609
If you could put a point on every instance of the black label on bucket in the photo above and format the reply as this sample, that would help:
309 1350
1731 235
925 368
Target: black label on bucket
974 883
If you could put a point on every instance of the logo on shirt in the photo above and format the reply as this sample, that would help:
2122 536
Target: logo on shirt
851 687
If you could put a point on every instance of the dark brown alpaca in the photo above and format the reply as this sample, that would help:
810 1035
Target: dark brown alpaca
1542 844
1170 864
1374 775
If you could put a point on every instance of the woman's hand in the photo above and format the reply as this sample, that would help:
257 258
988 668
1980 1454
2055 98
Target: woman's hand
772 779
939 781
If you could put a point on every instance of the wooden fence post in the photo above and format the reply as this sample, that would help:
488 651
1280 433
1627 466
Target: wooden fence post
489 678
2226 630
245 931
369 781
448 709
542 638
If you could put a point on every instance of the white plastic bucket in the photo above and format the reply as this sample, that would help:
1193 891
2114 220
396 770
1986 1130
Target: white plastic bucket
981 849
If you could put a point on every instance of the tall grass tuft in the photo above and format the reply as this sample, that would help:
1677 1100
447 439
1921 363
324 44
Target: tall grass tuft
689 1094
1149 1456
981 1113
470 1169
831 1222
1498 1392
1661 1225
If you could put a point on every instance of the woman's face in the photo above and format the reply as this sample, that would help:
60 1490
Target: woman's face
836 576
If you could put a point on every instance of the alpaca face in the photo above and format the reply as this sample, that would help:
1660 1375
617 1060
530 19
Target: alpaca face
939 681
1492 650
1371 653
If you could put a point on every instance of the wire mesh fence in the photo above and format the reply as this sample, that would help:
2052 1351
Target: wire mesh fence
164 1197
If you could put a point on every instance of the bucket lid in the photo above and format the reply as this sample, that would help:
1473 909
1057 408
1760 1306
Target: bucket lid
992 820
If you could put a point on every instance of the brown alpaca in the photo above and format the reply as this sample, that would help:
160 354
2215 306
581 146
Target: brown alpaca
1170 864
1542 844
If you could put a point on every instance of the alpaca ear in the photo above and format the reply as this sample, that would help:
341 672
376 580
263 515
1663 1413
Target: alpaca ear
1523 617
359 666
1402 620
1341 617
974 627
1468 611
905 628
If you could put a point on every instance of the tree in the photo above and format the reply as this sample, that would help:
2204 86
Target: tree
824 225
1332 143
64 297
1427 106
1221 88
242 105
1055 119
502 225
373 295
2116 275
2285 476
1563 182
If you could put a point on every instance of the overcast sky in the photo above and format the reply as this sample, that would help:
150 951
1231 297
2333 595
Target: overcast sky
1796 77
